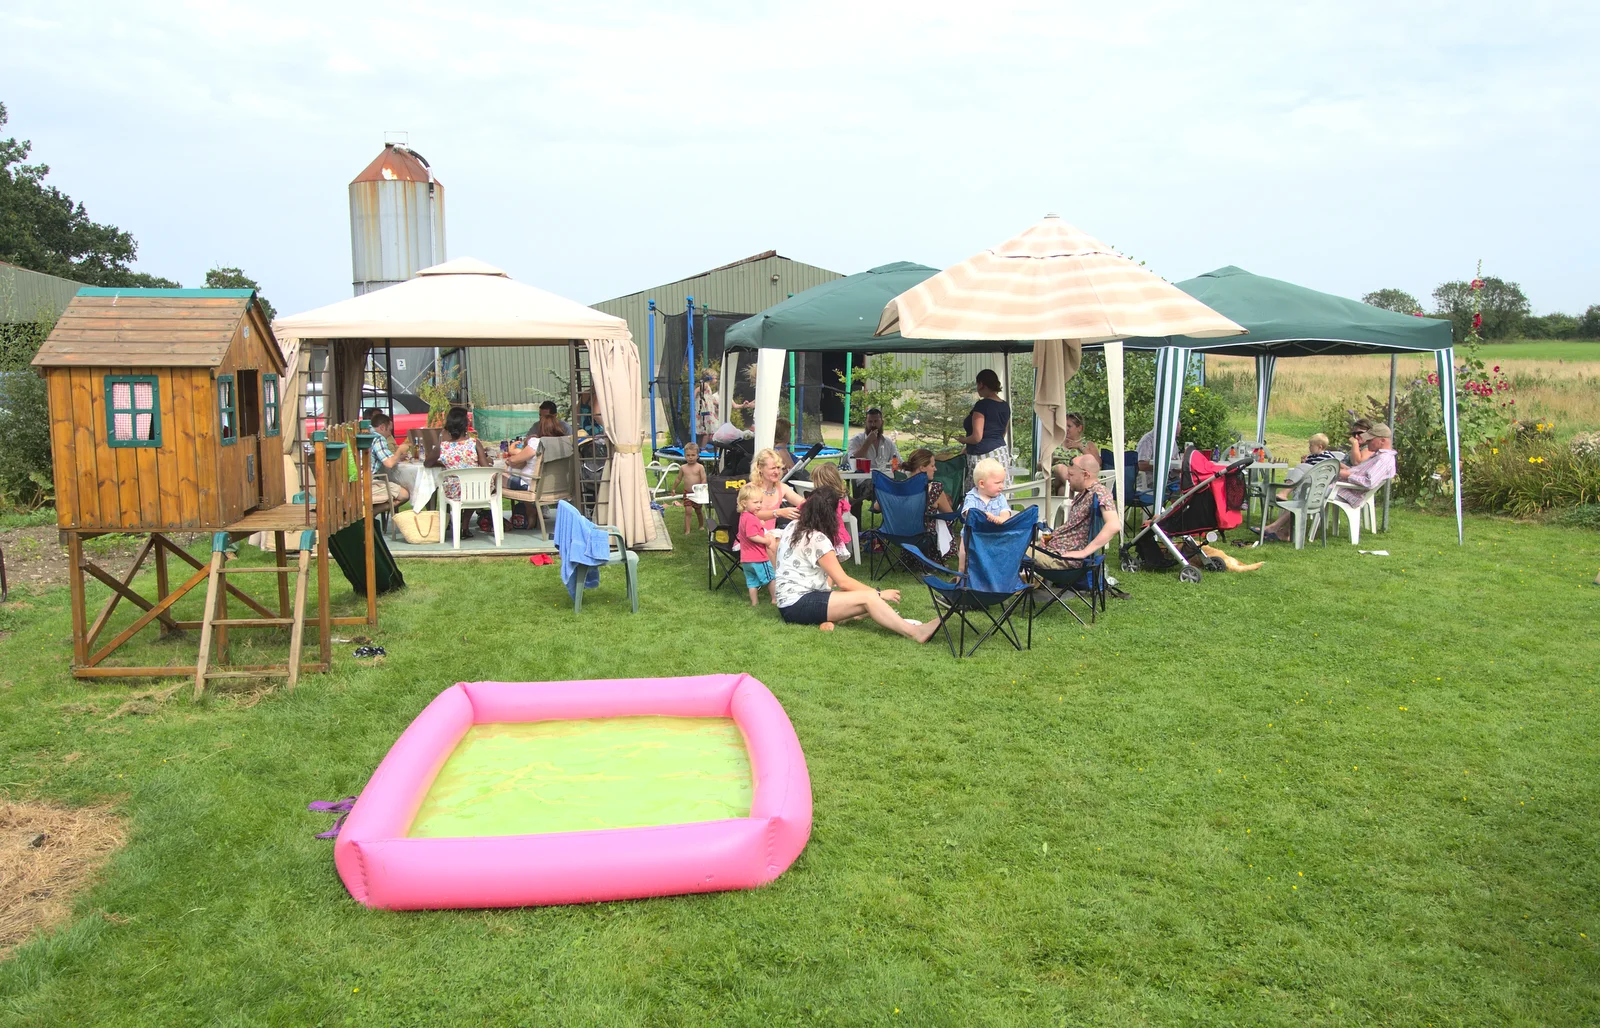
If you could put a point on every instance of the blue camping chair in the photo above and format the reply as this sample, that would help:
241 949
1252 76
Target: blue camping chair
904 506
1131 495
992 585
1087 583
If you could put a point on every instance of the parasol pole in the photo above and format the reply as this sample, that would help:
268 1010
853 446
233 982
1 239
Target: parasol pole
651 371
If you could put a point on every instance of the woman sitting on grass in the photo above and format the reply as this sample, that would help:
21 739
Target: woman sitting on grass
814 590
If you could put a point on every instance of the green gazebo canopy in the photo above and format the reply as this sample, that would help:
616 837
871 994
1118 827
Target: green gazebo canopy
1286 320
840 316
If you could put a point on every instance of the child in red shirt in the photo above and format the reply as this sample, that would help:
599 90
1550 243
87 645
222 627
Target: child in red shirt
754 539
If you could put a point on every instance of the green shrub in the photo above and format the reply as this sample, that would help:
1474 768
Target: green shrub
1528 476
1205 419
25 480
1585 515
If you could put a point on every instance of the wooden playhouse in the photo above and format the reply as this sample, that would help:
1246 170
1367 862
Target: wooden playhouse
166 416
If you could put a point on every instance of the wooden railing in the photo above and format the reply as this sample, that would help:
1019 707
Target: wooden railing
340 500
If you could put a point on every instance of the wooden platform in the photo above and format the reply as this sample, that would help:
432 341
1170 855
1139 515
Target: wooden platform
290 517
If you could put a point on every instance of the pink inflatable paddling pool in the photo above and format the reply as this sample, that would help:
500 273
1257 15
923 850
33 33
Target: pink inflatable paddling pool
506 794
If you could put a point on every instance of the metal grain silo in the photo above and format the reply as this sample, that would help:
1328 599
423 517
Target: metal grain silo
396 230
396 219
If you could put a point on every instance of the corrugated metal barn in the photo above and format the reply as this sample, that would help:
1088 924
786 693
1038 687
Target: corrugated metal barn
512 374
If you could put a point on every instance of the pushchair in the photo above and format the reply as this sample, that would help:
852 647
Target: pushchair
1210 499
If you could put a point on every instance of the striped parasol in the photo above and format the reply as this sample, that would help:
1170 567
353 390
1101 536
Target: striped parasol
1051 282
1062 288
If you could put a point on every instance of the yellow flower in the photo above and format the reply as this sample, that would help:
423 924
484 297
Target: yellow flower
1494 449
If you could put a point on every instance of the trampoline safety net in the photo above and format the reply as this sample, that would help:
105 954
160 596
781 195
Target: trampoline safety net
675 379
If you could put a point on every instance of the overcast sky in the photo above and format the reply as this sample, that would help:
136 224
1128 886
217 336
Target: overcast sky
597 149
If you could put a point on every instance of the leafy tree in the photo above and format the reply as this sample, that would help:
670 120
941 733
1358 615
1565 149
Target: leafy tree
1589 324
1550 326
42 229
1397 300
1504 307
886 384
25 480
948 399
233 278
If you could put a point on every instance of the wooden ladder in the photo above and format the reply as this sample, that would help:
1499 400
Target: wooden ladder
216 617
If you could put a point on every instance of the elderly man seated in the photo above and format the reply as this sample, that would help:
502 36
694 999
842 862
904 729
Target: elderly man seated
1069 545
1372 450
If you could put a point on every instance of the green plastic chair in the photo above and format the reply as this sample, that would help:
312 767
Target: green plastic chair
620 555
1309 497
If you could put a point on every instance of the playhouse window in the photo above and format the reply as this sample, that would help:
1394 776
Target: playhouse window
269 404
133 410
227 410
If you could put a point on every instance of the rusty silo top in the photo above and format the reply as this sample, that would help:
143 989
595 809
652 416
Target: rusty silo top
396 164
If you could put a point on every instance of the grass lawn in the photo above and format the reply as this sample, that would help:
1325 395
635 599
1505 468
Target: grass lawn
1344 789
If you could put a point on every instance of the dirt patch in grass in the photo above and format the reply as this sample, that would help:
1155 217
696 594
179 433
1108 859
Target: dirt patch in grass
36 558
48 855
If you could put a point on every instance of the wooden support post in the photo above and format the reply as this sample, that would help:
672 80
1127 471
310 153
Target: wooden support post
298 631
222 612
372 560
205 632
80 636
282 561
161 577
324 626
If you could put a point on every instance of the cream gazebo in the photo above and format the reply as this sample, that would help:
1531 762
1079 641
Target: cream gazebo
466 302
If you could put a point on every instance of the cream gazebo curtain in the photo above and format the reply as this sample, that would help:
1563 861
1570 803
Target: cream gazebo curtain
614 363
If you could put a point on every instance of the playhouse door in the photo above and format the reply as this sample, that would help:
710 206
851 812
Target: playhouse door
250 438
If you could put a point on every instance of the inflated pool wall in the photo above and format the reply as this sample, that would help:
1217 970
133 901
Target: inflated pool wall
383 867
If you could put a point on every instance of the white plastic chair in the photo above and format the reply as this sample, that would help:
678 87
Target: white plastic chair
1363 509
662 472
480 488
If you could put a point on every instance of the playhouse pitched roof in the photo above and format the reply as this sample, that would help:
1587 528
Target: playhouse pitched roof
146 327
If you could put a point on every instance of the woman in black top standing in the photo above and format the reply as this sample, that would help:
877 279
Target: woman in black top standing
986 426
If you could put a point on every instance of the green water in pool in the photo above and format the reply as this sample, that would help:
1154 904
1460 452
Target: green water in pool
583 774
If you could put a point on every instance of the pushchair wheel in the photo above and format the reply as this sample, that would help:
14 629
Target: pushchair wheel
1189 574
1130 565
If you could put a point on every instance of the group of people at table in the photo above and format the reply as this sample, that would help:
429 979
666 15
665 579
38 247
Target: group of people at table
458 448
791 545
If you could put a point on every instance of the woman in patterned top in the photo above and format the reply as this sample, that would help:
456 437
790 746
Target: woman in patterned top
457 449
921 461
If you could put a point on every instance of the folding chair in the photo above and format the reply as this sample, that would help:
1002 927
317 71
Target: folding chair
1132 495
1086 583
992 585
618 555
904 506
722 539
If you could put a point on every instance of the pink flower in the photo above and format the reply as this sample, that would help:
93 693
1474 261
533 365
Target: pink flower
1477 283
